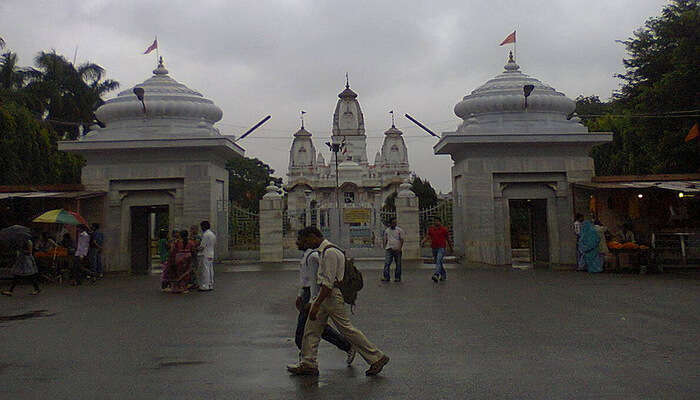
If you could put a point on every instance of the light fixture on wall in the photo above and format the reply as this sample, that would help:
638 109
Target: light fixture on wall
139 92
640 195
527 90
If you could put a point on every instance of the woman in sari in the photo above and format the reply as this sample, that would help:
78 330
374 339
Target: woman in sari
183 263
169 275
589 243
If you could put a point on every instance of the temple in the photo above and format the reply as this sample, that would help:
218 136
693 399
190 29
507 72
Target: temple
161 163
517 153
311 178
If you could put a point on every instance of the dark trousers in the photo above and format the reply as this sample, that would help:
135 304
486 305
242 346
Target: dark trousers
77 269
330 335
33 278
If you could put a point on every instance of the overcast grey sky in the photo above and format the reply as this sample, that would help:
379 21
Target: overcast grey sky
254 58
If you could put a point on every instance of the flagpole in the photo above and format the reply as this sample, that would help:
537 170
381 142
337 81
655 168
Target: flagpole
515 52
157 52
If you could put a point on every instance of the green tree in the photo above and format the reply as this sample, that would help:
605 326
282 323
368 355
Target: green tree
11 76
648 116
40 106
65 95
248 178
28 150
427 197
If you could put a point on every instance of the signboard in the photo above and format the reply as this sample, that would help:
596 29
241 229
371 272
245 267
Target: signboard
356 215
361 236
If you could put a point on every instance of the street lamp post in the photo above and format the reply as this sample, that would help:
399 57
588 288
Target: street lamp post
335 148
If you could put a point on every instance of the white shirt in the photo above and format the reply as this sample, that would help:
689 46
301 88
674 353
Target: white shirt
208 243
393 238
83 244
332 266
308 270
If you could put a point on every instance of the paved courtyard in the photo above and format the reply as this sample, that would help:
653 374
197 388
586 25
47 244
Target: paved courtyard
485 333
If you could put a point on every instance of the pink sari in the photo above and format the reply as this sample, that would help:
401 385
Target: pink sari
182 265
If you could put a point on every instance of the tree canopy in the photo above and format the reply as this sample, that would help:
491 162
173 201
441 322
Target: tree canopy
658 102
427 197
41 105
248 178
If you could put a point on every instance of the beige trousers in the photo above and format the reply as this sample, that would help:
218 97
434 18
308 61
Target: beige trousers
334 307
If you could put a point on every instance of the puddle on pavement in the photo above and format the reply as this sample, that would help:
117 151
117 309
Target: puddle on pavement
178 363
27 315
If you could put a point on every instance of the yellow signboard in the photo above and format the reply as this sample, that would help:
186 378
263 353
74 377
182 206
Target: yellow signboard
356 215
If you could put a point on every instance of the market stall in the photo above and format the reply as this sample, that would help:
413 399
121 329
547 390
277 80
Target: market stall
652 220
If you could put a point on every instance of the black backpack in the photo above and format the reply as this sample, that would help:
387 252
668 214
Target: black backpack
352 279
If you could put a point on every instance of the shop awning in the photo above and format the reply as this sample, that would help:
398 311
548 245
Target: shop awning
677 186
83 194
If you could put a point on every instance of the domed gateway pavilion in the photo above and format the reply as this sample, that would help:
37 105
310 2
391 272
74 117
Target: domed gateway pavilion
161 162
516 155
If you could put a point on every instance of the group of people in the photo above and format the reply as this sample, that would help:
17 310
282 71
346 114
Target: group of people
187 259
319 299
83 256
393 240
322 268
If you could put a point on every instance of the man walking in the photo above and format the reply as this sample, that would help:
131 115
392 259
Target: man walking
393 243
309 289
81 252
329 304
578 220
439 238
206 278
97 240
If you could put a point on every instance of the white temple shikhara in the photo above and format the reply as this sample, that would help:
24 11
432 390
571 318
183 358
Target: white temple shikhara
311 178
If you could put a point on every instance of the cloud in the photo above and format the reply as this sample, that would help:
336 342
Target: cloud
255 58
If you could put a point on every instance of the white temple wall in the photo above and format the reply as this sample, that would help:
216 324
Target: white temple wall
193 190
481 194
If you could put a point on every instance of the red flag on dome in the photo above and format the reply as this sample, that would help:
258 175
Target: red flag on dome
509 39
152 46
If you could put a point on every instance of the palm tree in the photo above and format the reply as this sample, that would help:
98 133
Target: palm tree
11 77
67 96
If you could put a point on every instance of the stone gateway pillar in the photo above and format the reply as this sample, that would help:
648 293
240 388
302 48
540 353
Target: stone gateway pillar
271 234
407 219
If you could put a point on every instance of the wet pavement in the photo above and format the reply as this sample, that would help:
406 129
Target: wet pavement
484 333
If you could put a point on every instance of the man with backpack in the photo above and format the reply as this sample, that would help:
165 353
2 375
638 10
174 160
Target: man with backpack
309 289
330 303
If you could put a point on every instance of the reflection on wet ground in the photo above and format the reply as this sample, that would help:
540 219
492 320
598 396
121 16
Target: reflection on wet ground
27 315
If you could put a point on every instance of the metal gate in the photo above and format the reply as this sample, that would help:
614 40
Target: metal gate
244 229
363 236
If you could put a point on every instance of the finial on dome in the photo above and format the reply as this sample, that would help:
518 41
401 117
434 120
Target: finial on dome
392 118
511 65
347 81
302 118
160 70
